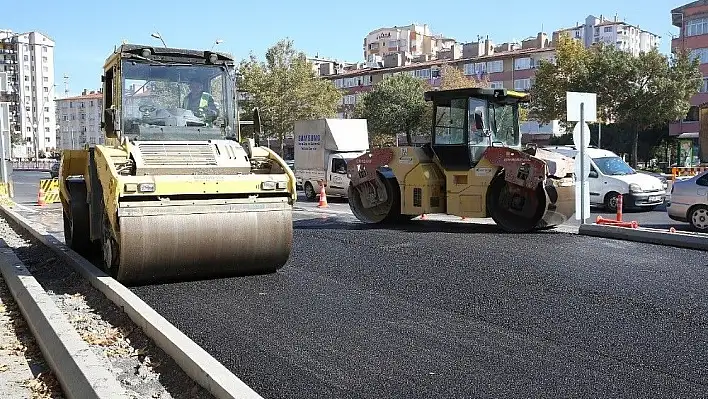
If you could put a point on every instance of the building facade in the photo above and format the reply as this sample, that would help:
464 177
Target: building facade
79 120
692 20
414 41
508 65
624 36
27 91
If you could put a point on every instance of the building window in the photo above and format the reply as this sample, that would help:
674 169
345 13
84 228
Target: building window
701 54
496 85
522 84
695 27
468 69
495 66
44 49
608 29
422 73
45 79
522 63
349 99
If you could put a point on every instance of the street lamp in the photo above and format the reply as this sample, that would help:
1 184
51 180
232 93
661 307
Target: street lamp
218 41
157 35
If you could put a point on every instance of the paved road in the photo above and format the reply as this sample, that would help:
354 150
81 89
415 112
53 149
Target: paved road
463 312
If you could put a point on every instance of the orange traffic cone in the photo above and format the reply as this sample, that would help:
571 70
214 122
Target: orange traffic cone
323 198
40 197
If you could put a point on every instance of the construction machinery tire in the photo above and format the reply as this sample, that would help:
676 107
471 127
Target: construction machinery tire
76 221
497 199
189 242
384 213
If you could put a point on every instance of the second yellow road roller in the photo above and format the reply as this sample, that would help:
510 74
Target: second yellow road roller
170 193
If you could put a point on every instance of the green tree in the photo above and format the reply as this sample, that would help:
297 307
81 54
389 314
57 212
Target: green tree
636 92
394 105
285 89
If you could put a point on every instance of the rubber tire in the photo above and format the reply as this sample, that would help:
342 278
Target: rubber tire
608 201
493 192
690 214
309 189
394 194
76 224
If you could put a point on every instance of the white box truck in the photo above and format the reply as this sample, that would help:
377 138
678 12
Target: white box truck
322 149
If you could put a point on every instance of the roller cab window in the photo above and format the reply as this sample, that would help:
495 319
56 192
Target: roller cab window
175 102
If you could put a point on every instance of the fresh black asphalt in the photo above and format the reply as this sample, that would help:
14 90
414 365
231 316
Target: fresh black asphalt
439 310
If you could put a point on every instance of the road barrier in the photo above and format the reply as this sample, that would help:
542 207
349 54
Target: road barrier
48 191
618 221
687 171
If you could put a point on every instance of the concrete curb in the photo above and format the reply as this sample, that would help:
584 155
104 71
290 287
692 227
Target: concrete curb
646 235
195 361
79 371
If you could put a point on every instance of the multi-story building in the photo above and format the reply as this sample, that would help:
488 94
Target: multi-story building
509 65
27 90
79 120
413 41
625 36
692 20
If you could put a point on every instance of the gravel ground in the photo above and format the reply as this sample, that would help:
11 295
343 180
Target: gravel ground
140 366
23 371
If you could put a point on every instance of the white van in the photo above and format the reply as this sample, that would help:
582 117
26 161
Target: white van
610 176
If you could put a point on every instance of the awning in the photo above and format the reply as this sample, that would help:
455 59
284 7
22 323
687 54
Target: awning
691 135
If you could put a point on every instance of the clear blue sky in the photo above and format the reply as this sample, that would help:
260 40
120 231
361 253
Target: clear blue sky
87 31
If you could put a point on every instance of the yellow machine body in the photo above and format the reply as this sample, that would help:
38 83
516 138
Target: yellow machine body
158 208
399 183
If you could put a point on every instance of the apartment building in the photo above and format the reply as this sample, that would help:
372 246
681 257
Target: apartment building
27 90
413 41
508 65
625 36
79 120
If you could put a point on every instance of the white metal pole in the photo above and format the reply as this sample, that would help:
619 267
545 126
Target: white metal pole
582 164
3 162
599 135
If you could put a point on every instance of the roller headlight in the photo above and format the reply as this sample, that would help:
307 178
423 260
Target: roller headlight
268 185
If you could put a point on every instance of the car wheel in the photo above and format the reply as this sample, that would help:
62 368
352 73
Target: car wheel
611 201
698 218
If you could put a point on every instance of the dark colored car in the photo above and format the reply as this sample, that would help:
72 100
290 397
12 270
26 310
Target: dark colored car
54 171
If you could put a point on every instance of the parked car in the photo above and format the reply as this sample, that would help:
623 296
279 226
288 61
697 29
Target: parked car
611 176
664 181
689 202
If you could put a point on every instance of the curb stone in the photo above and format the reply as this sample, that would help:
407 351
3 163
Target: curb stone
646 235
77 368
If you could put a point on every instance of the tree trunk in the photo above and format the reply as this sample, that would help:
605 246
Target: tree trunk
635 142
409 138
281 145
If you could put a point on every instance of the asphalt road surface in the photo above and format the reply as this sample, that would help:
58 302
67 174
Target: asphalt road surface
450 310
454 310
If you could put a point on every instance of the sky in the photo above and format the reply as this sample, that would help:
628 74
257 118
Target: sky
86 32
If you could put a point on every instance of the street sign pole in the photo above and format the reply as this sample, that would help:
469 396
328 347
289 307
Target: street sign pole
3 163
581 108
583 216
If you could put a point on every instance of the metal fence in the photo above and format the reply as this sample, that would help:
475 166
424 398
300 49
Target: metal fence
42 164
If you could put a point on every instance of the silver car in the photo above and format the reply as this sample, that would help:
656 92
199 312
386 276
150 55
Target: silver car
689 201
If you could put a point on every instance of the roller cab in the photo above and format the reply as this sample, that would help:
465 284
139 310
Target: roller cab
173 194
474 166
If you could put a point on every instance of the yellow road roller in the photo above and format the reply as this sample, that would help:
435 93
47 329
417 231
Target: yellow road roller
474 166
170 193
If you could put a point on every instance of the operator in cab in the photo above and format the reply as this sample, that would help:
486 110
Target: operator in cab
200 102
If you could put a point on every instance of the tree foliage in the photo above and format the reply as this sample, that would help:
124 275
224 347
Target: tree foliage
637 92
285 89
394 105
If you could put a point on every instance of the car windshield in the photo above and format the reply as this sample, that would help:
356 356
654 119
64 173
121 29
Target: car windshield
176 102
613 166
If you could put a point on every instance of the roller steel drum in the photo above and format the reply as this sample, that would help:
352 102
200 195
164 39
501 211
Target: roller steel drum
187 242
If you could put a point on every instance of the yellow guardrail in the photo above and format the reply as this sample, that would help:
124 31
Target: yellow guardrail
48 191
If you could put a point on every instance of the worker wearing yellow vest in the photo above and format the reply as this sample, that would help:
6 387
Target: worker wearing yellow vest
200 102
